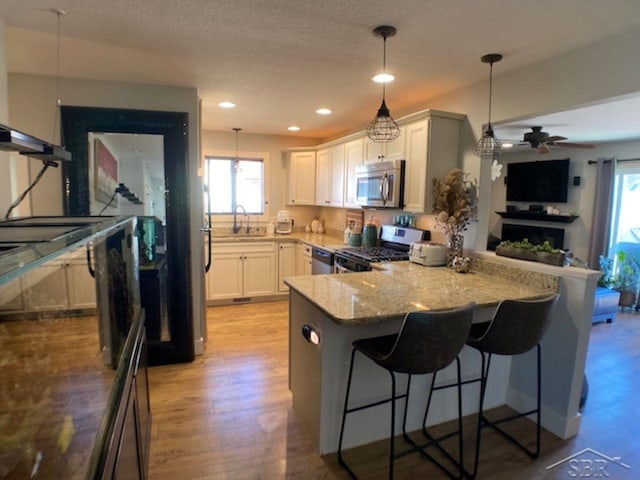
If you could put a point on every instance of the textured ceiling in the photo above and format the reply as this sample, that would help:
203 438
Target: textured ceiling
279 60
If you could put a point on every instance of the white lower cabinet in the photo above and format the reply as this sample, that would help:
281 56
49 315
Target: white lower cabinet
45 288
303 259
81 286
286 264
11 295
242 270
60 285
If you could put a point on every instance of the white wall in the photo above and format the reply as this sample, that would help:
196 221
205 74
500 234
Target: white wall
13 167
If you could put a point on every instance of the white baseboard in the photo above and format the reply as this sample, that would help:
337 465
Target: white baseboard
559 425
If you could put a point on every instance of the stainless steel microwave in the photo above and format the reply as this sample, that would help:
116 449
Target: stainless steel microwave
380 184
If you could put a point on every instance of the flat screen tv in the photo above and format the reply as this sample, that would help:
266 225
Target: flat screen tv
544 181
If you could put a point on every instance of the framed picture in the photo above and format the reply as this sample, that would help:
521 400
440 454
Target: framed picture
106 173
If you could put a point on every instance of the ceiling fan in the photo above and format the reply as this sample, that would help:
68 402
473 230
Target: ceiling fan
542 141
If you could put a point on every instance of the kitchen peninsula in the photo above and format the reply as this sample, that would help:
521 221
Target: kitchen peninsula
342 308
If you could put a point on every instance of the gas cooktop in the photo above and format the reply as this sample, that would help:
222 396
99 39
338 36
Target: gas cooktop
394 246
376 254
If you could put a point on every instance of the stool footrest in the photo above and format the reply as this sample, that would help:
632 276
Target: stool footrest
494 425
435 442
375 404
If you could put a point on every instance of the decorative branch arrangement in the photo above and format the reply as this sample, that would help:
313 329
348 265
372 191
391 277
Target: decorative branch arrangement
454 201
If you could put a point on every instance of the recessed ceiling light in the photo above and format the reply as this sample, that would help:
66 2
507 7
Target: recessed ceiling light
323 111
383 78
293 128
507 145
226 104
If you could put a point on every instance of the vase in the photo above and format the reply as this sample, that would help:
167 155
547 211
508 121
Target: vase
454 248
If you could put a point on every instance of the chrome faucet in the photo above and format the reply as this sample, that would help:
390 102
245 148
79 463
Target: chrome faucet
236 227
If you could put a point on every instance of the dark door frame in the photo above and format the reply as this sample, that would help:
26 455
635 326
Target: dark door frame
77 123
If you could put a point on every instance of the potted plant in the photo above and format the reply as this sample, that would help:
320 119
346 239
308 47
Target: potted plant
627 278
525 250
608 278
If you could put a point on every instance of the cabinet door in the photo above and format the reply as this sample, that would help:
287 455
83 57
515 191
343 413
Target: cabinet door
306 267
286 264
81 286
323 177
379 152
415 187
354 155
336 182
225 276
395 150
302 178
259 274
432 150
303 259
11 295
45 288
373 151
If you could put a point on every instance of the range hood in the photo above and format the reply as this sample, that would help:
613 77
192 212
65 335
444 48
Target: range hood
15 141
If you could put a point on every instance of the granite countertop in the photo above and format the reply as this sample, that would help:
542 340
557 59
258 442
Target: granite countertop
370 297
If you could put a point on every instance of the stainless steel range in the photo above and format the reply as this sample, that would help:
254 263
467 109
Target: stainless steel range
394 246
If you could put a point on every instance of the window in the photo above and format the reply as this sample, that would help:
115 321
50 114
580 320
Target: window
625 225
234 182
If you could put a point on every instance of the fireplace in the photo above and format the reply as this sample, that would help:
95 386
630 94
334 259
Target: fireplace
535 234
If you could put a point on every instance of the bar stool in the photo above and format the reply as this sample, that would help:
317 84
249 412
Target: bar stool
427 342
516 328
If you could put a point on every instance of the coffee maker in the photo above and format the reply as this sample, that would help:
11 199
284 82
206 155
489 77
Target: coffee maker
283 222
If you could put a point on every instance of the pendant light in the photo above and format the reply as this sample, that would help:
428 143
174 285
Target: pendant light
59 14
383 128
236 164
489 146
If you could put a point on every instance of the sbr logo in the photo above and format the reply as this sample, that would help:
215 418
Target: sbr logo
587 468
589 463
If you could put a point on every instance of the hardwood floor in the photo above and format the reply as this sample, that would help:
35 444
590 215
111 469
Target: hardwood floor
228 414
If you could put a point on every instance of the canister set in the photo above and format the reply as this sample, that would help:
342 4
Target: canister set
368 237
405 221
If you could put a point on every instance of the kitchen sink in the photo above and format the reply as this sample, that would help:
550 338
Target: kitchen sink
228 233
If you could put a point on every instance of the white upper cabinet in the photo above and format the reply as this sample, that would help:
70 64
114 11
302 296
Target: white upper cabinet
354 156
428 142
330 176
432 149
301 170
379 152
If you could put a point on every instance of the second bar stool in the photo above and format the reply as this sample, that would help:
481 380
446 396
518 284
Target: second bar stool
427 342
516 328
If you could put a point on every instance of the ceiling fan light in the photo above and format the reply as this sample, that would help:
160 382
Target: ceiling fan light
383 128
383 78
488 146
